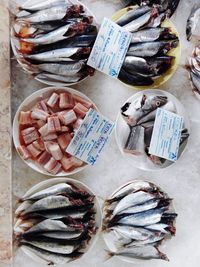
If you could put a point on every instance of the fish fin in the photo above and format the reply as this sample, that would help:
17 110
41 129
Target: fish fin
162 255
109 255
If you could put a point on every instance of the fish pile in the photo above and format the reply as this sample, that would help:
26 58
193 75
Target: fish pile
139 217
53 40
192 21
140 117
147 58
57 223
194 70
167 6
46 130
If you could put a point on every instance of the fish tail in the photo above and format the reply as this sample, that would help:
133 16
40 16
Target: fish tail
162 255
109 255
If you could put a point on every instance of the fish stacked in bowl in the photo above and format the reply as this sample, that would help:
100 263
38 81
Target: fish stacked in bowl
148 56
138 217
53 39
194 68
56 223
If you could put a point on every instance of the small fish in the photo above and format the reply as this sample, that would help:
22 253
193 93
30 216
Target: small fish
150 49
62 235
61 79
135 79
49 257
54 13
133 113
161 227
135 141
145 253
152 240
132 13
142 21
152 34
36 6
192 21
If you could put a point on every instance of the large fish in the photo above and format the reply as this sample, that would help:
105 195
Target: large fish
192 21
134 79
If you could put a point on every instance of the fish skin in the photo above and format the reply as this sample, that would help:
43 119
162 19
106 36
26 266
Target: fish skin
192 21
62 235
132 200
195 81
52 258
135 142
150 49
146 105
132 13
141 21
134 80
58 78
43 5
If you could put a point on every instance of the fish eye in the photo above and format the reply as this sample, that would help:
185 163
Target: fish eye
157 103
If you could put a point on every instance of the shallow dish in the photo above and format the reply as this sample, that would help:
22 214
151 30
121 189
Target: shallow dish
122 130
27 104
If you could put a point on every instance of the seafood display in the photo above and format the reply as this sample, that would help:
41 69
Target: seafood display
167 6
192 21
136 123
46 128
52 40
138 218
149 54
194 70
56 223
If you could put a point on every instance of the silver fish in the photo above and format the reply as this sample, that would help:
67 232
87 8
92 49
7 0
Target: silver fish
151 49
55 247
135 142
145 253
57 78
62 213
144 218
132 200
149 241
143 20
192 21
53 13
157 21
39 5
195 81
159 227
135 111
50 257
131 14
62 235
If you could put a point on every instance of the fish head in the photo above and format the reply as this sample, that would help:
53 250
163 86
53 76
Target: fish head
154 102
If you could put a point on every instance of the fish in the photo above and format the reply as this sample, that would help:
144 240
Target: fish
59 55
135 142
145 253
36 6
58 189
150 49
152 240
141 219
50 257
152 34
184 136
62 235
135 79
59 34
195 82
51 14
131 200
131 14
157 22
133 113
161 227
192 21
53 202
62 79
142 21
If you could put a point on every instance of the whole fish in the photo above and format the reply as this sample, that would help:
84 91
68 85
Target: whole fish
143 218
152 34
62 235
153 240
60 12
151 49
192 21
145 253
135 141
133 113
53 202
131 14
142 21
55 247
134 79
63 54
59 34
51 258
58 78
131 200
161 227
61 188
36 6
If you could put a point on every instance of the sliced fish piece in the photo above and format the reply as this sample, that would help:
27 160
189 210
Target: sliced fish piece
135 141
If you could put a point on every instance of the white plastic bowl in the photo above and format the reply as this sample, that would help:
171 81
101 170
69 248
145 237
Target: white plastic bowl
122 131
27 104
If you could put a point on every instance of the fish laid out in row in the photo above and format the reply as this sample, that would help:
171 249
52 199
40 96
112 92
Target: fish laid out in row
46 130
147 57
194 70
53 40
167 6
140 116
192 22
139 217
57 223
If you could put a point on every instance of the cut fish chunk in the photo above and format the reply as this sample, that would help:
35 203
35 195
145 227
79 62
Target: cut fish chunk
66 101
53 124
50 137
71 162
80 110
33 150
39 114
52 101
64 140
29 135
25 118
67 117
79 99
43 106
44 158
50 165
39 144
54 149
77 124
24 152
44 130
